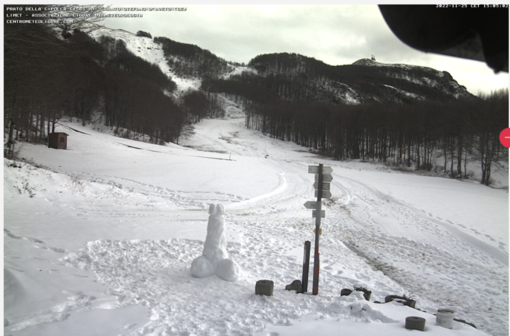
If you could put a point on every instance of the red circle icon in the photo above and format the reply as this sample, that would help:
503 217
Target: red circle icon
504 137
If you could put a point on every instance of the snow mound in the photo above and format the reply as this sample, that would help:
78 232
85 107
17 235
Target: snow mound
215 257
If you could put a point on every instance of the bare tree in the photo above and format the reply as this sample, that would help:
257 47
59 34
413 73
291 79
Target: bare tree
492 119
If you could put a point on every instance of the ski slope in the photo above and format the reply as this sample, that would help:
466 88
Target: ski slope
99 239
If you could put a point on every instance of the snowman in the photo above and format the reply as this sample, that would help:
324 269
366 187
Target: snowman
214 259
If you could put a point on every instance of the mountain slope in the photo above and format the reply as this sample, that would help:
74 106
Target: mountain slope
293 76
149 50
365 110
362 82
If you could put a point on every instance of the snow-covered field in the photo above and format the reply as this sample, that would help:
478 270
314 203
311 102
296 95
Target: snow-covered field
99 240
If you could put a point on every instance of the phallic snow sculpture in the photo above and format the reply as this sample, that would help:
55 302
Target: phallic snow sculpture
214 259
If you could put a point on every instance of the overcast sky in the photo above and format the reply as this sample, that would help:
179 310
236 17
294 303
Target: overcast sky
334 34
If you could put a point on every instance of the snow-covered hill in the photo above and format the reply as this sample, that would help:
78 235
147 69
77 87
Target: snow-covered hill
99 240
148 50
423 76
364 81
152 52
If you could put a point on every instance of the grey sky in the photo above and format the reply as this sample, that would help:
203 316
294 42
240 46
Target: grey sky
335 34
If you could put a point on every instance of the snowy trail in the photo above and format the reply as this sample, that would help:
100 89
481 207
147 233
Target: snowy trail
116 238
394 235
372 208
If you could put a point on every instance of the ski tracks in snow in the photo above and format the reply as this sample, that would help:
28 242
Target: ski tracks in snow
39 243
392 235
159 194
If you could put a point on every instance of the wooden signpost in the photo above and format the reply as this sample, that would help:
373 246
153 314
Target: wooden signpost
323 179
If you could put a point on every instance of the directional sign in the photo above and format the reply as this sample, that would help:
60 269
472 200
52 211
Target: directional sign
325 185
311 205
322 186
323 214
325 194
315 170
325 178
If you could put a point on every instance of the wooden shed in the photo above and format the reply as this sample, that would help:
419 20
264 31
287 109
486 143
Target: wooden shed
58 140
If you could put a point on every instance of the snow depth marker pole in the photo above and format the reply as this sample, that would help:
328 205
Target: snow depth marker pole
322 187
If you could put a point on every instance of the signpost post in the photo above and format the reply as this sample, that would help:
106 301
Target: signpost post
323 179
